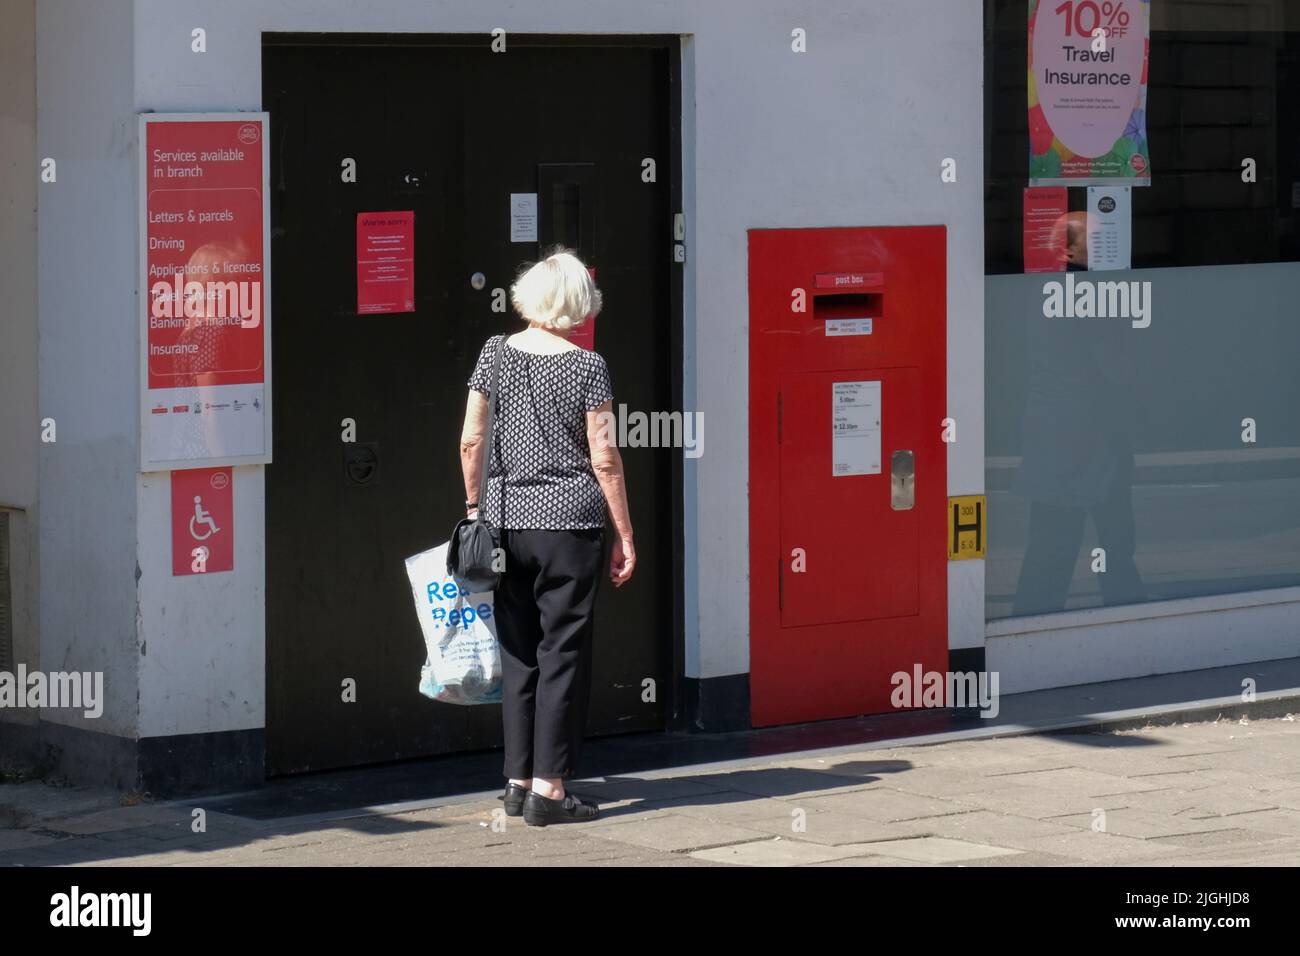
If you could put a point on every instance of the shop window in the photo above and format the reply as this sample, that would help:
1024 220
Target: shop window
1224 86
1158 458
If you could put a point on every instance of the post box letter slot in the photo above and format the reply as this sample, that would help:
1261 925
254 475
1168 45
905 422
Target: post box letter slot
847 305
902 484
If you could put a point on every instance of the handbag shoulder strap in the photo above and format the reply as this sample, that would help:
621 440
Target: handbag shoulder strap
491 423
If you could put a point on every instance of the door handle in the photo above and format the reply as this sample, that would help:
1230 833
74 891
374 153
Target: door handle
902 480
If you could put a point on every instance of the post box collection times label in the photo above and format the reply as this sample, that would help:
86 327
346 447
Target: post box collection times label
855 428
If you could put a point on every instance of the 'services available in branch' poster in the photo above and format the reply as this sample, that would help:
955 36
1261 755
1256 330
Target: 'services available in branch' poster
204 299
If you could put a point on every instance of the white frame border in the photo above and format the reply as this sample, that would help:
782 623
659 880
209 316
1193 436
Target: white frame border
263 118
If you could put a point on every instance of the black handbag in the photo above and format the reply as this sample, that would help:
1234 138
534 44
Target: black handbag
474 542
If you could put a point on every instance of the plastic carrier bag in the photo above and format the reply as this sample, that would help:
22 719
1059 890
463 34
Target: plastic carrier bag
463 664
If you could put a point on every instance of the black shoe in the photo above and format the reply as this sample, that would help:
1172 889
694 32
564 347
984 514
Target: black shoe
540 811
514 799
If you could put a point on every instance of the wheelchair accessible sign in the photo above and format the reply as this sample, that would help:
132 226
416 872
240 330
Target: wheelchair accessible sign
203 521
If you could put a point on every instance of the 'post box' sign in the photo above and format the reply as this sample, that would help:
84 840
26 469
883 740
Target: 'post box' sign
848 280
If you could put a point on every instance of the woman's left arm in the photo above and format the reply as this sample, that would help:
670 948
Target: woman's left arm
471 444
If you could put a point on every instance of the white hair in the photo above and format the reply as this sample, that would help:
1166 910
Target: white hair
557 293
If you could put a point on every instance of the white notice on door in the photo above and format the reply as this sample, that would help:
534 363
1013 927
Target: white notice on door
855 428
523 217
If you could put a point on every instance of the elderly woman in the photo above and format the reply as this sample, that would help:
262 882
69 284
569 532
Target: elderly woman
554 471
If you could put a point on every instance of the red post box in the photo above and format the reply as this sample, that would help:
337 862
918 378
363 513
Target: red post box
847 467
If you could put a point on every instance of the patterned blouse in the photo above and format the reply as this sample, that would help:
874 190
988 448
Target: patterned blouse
540 457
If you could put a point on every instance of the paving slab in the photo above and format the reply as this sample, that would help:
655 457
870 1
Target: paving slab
1140 762
1144 824
944 782
884 805
1281 823
1235 837
867 766
1110 849
1204 802
1272 853
33 802
936 850
23 840
613 789
1246 782
1288 797
1255 760
1174 780
739 808
1085 783
1019 766
1041 803
868 861
675 833
997 828
776 851
786 782
835 828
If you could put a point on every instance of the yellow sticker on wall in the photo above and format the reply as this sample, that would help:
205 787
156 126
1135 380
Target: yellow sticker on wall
966 527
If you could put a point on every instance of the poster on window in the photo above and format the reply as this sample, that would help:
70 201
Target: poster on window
204 290
1088 92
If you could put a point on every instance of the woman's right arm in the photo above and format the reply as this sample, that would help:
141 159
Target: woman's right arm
607 463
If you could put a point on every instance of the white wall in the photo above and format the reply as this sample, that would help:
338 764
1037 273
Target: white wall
19 436
87 356
18 178
850 133
202 636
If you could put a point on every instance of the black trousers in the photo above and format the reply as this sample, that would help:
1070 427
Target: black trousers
1055 535
544 606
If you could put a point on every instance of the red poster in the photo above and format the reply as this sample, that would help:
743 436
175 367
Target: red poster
385 262
1045 229
203 521
204 298
585 334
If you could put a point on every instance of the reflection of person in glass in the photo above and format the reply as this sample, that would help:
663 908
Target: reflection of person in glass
1077 450
200 436
1070 234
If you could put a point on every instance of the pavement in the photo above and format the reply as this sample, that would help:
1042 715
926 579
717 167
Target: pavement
1200 792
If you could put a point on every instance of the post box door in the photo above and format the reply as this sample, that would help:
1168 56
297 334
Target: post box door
848 540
